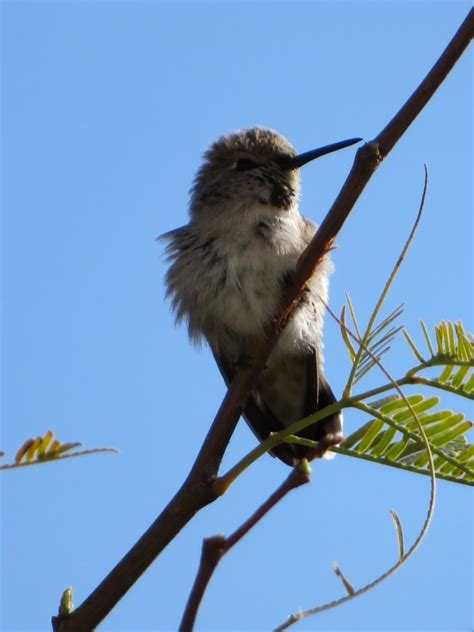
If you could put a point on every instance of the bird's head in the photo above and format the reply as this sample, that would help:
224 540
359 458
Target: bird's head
250 169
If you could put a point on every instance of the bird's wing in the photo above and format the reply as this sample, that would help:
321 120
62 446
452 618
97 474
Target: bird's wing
319 395
262 422
258 416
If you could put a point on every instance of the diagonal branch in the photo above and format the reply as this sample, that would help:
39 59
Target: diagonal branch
200 489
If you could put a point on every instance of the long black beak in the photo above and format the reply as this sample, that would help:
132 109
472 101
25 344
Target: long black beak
298 161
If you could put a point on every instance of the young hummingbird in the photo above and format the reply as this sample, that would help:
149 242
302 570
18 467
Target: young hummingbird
229 269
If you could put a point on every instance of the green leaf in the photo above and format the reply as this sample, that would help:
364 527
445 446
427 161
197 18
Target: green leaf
345 335
467 455
413 346
427 338
370 435
427 420
397 449
458 378
445 437
355 437
399 403
399 529
419 407
446 373
469 385
353 316
385 441
393 438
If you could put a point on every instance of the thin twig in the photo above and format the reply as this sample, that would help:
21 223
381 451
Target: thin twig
53 459
198 489
214 548
386 289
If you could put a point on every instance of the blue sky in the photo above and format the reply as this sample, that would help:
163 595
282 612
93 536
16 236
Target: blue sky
107 108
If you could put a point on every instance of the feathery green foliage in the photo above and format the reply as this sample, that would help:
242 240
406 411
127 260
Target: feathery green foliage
377 344
392 438
453 353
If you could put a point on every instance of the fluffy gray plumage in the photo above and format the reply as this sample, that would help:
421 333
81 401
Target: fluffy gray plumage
229 267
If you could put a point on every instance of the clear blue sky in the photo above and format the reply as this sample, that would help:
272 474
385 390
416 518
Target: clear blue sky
107 108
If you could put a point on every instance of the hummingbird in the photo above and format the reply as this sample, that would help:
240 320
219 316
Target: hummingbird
230 266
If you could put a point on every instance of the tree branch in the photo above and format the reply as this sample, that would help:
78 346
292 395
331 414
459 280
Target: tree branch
201 486
214 548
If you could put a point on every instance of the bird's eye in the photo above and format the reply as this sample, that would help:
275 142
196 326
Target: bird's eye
244 164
